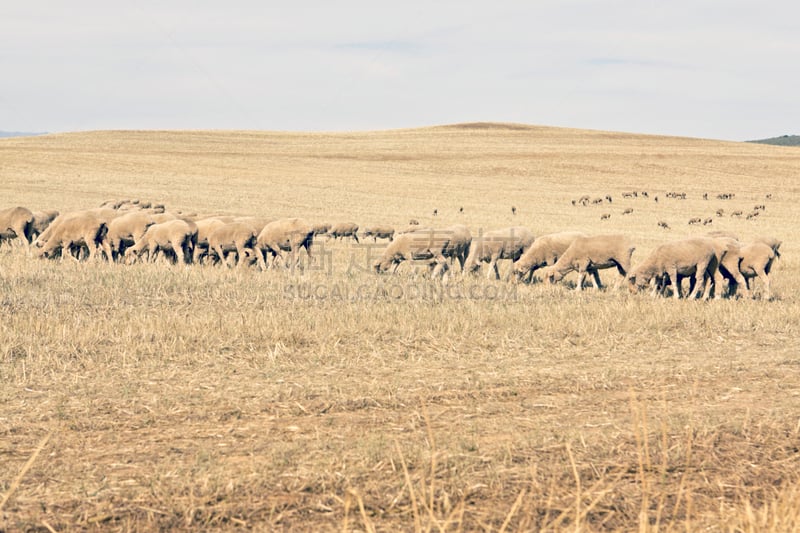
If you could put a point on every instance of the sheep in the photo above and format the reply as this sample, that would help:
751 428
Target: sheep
16 222
239 237
77 229
544 251
507 243
125 230
320 228
178 236
205 227
628 211
772 242
756 261
255 223
378 232
284 235
458 244
662 224
340 230
695 220
708 221
41 220
425 246
587 255
697 257
605 216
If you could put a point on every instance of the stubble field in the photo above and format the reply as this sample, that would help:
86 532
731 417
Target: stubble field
141 397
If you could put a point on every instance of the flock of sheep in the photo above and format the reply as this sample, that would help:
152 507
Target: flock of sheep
128 231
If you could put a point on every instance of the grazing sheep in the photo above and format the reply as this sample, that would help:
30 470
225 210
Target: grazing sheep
605 216
508 243
752 215
544 251
756 261
205 227
628 211
425 246
736 214
72 231
458 244
378 232
696 257
238 237
662 224
41 221
708 221
320 228
435 212
340 230
176 236
587 255
720 212
16 222
513 210
284 235
125 230
413 222
695 221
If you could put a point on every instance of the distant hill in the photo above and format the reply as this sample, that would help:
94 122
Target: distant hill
18 134
784 140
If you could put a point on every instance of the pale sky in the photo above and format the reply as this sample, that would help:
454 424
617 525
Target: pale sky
713 69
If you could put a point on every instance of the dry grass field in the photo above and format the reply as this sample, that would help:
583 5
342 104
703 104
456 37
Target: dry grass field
162 397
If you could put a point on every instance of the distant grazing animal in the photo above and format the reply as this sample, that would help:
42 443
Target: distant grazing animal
656 199
378 232
708 221
413 222
662 224
720 212
587 255
736 214
628 211
608 198
705 196
695 220
644 193
460 209
605 216
340 230
236 237
435 212
544 251
284 235
769 196
16 222
513 210
489 247
174 237
726 196
597 201
752 215
759 207
696 257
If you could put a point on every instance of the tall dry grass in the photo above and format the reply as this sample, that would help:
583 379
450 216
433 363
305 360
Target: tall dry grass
205 398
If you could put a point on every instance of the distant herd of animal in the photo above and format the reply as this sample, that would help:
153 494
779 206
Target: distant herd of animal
127 231
587 200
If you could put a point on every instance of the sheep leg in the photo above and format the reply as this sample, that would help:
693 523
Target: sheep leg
762 275
676 282
596 279
493 268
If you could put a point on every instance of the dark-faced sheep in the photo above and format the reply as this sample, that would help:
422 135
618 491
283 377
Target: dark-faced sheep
507 243
587 255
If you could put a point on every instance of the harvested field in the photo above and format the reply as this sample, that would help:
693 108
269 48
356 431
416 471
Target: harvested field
155 396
